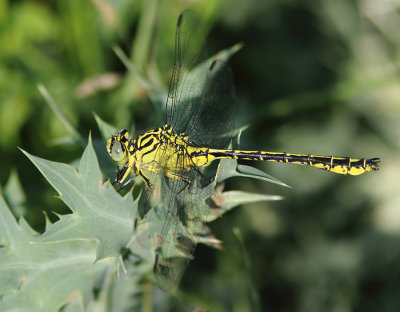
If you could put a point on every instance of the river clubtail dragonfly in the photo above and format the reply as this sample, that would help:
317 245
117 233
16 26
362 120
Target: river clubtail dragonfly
199 111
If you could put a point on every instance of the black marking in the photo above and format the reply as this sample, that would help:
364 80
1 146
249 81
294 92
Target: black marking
187 183
146 136
123 138
131 144
155 146
122 147
155 264
111 144
126 183
148 143
373 163
359 163
199 153
157 131
180 18
120 174
212 65
238 154
343 162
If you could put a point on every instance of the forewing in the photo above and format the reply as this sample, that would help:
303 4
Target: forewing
201 101
213 112
189 51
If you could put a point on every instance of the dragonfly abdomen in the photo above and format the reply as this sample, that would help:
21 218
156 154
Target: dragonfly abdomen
340 165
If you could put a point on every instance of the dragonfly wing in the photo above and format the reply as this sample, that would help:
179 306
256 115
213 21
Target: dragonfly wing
201 104
189 51
213 116
181 204
201 100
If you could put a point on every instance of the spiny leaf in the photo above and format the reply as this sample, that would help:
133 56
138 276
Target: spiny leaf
98 211
106 129
14 194
226 201
40 277
101 224
44 272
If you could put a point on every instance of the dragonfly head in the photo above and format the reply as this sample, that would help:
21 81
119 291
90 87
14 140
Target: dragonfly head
117 146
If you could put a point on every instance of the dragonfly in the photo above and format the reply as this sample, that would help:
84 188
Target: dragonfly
199 112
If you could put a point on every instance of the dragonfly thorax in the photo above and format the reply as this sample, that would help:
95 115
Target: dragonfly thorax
157 149
161 148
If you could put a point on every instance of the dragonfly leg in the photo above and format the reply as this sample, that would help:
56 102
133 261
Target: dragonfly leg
121 187
204 179
177 176
146 179
123 173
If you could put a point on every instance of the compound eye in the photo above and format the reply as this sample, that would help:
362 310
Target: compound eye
117 152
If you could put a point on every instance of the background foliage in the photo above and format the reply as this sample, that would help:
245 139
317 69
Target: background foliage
312 78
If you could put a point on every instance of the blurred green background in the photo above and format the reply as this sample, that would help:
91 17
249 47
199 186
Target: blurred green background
318 77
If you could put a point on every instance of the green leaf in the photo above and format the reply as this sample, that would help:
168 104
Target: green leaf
247 267
56 109
41 277
14 194
98 212
90 241
133 70
45 272
227 53
235 198
226 201
106 130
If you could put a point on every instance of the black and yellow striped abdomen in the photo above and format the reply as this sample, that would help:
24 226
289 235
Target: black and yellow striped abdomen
164 149
340 165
